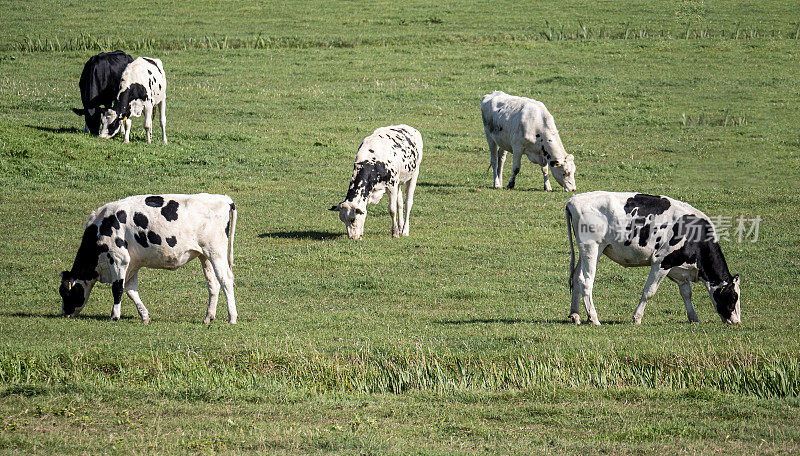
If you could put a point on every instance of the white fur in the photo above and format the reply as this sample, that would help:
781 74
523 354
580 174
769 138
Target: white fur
525 127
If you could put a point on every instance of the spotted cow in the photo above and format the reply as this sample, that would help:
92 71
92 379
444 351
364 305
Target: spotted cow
99 86
153 231
524 126
634 229
390 156
142 87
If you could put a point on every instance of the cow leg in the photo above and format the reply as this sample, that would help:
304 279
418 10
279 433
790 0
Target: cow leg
577 294
516 166
393 209
86 128
546 176
685 288
132 289
224 275
411 186
653 280
494 161
588 256
213 289
162 114
148 122
126 125
400 205
116 290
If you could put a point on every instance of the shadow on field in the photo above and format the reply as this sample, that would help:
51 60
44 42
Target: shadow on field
59 130
438 185
55 316
511 321
315 235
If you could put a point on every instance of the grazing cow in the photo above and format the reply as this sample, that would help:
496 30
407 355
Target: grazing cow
524 126
635 229
99 86
142 87
153 231
390 156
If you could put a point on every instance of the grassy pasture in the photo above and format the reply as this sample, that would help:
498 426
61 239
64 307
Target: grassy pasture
452 340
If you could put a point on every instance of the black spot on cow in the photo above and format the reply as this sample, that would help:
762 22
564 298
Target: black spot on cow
102 248
699 249
121 243
538 135
154 238
645 205
141 238
122 105
228 229
233 207
140 220
149 72
159 86
153 62
644 234
85 265
108 225
154 201
170 211
171 241
368 174
116 290
110 258
122 216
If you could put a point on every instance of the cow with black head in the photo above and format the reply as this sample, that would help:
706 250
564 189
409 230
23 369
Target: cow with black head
676 240
99 85
153 231
143 87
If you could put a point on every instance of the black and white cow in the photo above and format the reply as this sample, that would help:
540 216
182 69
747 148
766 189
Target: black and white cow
142 87
99 86
390 156
634 229
153 231
524 126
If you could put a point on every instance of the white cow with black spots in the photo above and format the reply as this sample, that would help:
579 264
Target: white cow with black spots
524 127
155 231
143 87
390 156
634 229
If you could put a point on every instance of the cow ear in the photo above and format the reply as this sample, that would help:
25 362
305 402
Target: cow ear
335 207
736 278
554 164
64 274
80 112
359 211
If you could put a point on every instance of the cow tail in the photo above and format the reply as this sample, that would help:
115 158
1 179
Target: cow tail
232 215
568 216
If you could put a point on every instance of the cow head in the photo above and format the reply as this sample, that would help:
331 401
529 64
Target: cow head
74 294
726 299
564 172
353 218
91 117
110 123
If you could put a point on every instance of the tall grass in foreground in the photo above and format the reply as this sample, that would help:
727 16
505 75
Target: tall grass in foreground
775 375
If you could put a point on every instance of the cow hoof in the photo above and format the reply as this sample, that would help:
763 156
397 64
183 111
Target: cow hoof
207 321
113 318
510 186
405 234
145 321
596 322
694 319
395 235
575 318
232 321
637 321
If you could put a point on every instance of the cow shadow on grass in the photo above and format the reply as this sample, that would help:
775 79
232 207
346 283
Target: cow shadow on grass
58 130
58 316
512 321
302 234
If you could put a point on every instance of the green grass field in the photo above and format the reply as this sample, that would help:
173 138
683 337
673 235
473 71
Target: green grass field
451 341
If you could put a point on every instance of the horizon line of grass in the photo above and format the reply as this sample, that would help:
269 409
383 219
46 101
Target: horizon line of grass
370 371
559 32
